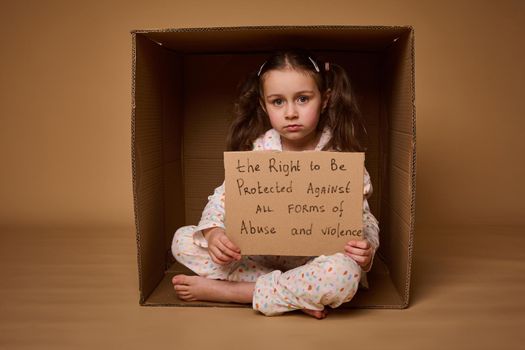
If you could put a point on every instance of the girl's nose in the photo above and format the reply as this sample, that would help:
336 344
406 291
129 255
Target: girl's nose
291 112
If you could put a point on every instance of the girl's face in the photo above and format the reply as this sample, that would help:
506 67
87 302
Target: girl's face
293 102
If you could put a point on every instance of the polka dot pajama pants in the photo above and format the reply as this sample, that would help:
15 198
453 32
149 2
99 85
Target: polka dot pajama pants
282 283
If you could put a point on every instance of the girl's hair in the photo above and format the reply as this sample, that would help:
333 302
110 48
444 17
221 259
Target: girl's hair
341 114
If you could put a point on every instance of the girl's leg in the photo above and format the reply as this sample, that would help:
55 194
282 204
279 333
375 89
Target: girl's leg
325 280
193 288
225 283
194 257
231 283
197 259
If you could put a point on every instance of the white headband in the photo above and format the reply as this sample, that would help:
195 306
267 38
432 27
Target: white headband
260 69
311 60
315 64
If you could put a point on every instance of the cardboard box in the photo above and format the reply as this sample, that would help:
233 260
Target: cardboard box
184 84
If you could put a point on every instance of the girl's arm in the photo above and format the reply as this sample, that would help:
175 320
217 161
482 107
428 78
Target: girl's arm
370 223
364 251
212 217
210 232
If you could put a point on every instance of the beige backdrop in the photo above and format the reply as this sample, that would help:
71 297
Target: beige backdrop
68 267
65 69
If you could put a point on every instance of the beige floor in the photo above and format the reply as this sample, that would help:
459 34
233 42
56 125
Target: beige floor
77 289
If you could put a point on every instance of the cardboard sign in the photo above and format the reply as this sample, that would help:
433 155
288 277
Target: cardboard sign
293 203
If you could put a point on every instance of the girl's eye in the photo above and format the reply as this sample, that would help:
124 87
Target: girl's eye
277 102
303 99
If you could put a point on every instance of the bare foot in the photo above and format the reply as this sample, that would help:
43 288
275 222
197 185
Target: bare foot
192 288
319 314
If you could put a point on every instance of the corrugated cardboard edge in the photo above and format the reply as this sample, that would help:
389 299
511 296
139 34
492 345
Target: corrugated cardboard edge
134 160
274 27
413 172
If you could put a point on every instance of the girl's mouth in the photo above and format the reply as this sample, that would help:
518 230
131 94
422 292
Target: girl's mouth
293 127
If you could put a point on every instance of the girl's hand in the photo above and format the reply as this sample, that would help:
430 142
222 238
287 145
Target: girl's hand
361 251
222 251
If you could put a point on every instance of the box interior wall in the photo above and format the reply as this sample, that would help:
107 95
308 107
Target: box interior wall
184 85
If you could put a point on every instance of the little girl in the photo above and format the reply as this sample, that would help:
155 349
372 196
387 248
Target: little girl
291 103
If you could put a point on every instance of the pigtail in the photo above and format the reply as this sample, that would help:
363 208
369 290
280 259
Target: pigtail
250 121
342 114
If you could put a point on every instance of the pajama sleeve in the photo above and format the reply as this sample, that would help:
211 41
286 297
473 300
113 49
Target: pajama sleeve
370 223
212 216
